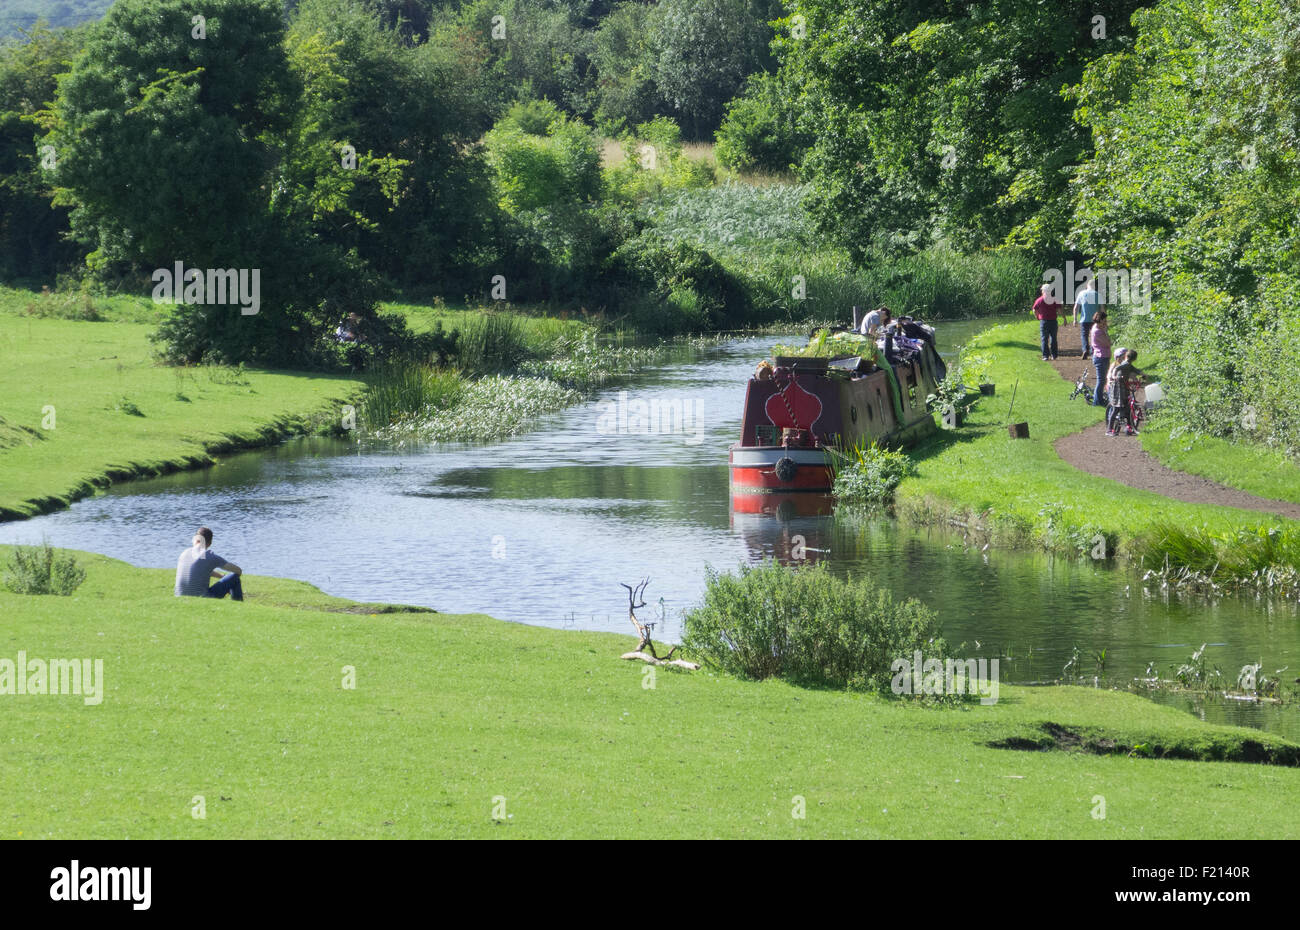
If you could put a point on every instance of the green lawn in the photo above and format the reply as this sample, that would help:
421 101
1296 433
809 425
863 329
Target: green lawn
1261 471
244 705
1019 491
83 403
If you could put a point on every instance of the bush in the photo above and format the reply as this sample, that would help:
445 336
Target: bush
759 133
870 475
691 291
41 570
808 626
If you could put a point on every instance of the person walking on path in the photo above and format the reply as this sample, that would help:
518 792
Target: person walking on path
196 565
1099 342
1046 310
1085 308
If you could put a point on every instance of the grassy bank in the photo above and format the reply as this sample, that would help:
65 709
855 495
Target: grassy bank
244 705
1019 492
86 403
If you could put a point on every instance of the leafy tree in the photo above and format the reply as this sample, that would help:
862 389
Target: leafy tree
761 129
33 244
938 119
166 141
624 56
1196 181
705 50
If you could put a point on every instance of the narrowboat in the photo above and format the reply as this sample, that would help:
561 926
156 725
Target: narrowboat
798 409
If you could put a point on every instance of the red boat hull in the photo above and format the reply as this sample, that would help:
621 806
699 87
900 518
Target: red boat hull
779 470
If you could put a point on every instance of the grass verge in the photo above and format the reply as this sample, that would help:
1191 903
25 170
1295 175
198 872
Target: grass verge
86 403
244 705
1019 491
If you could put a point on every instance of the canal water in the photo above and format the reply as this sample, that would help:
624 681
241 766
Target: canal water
542 529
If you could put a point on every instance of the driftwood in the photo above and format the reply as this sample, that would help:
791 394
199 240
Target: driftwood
645 649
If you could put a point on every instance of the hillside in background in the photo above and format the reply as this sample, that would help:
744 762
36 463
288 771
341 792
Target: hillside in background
23 14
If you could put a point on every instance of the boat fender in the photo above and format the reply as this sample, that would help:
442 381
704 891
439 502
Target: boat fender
786 468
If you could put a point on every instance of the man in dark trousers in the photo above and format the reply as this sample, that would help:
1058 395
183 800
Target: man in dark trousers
1046 310
195 567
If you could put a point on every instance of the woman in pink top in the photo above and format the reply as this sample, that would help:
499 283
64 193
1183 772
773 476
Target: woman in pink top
1100 339
1045 309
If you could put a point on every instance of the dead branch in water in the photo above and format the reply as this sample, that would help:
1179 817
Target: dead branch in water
636 600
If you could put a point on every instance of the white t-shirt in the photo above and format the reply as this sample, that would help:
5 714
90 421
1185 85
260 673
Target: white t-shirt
870 321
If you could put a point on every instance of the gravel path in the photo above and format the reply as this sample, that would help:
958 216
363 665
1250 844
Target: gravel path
1123 459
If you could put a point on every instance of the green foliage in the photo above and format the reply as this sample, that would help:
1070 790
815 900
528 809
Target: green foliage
491 342
760 132
43 570
867 474
401 391
938 118
689 290
808 626
624 55
654 164
557 168
33 245
1195 180
1260 557
705 50
762 235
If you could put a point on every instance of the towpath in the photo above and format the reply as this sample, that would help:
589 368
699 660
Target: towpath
1123 459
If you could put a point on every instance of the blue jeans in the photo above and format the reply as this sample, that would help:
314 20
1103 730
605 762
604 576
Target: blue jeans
1085 330
1047 333
228 585
1099 392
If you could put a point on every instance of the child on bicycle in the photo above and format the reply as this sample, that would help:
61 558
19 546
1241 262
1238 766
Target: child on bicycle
1122 382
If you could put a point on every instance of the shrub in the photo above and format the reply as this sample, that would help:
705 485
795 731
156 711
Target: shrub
42 570
693 291
870 475
808 626
759 132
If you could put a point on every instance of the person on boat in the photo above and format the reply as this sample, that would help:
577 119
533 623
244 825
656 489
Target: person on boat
1122 376
349 329
1099 340
1085 308
874 322
1045 310
195 567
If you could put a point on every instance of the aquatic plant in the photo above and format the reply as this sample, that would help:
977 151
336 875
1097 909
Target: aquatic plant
866 474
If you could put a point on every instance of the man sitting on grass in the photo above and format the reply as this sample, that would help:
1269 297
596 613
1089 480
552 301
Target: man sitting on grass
196 565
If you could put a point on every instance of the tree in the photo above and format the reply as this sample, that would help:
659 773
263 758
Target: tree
33 243
705 50
1195 180
935 119
166 140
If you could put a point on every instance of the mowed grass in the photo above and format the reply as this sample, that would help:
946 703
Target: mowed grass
1019 491
83 403
1255 469
455 718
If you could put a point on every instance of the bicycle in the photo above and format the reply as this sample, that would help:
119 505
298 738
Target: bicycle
1137 411
1081 387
